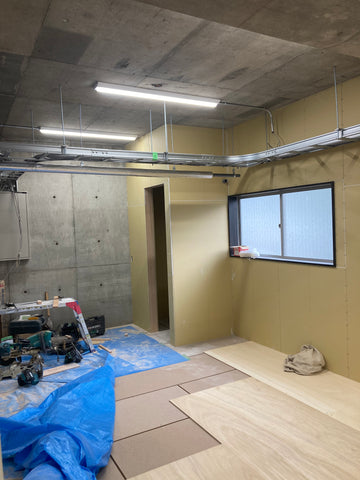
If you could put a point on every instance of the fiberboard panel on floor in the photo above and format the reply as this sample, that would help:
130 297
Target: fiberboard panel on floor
328 392
265 434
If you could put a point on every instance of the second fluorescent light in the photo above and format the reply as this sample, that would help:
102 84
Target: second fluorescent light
149 94
76 133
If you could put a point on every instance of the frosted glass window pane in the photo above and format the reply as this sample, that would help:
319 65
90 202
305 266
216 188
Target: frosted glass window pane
307 224
259 224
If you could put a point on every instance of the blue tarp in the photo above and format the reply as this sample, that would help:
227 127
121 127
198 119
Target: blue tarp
69 434
132 351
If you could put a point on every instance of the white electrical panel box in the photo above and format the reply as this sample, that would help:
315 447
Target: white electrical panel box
14 226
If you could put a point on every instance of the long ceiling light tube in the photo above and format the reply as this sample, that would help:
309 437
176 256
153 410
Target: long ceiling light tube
82 134
320 142
148 94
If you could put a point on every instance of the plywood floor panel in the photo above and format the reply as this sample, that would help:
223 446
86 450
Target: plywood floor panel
328 392
213 381
265 434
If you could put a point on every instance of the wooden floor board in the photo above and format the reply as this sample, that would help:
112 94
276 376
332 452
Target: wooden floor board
274 426
328 392
265 434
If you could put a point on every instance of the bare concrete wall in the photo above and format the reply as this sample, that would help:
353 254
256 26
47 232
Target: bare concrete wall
79 246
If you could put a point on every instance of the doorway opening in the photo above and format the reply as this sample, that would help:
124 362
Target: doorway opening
157 258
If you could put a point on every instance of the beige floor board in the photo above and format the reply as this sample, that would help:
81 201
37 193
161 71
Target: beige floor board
197 367
110 472
213 381
149 450
281 434
328 392
197 348
145 412
265 434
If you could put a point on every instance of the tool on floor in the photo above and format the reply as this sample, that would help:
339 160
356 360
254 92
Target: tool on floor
16 308
12 366
30 372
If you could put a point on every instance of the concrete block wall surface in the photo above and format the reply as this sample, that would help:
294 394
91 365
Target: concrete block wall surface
79 240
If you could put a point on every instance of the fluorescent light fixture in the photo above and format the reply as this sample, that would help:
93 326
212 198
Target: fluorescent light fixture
148 94
75 133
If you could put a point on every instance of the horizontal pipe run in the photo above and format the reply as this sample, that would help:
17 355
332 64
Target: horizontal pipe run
134 172
320 142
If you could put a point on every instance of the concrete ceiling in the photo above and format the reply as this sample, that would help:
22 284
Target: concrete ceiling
265 53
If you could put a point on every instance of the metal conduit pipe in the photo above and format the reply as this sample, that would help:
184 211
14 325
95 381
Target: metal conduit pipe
320 142
264 109
137 172
23 127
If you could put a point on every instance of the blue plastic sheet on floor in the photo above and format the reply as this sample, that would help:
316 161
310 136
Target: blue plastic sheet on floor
68 436
61 429
132 351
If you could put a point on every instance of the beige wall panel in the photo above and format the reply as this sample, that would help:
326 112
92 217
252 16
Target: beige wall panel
138 245
289 124
294 301
350 102
352 199
352 164
185 139
139 273
210 272
143 144
306 303
312 306
255 291
320 113
317 167
136 186
328 316
196 140
193 189
255 179
301 170
339 225
201 277
248 137
324 166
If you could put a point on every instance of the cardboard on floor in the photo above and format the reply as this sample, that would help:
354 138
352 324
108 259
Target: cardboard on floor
146 412
197 367
143 452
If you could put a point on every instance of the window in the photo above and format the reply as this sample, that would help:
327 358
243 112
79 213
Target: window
290 224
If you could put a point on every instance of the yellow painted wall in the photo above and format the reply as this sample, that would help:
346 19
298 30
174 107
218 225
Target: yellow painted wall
281 305
197 242
284 305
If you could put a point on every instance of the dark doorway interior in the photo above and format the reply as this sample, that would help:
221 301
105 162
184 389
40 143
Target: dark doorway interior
157 258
